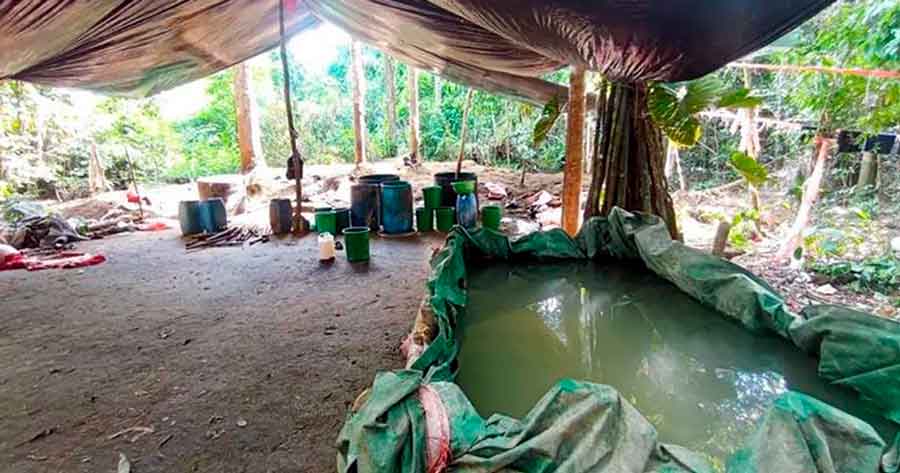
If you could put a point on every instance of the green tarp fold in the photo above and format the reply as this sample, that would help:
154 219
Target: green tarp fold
586 427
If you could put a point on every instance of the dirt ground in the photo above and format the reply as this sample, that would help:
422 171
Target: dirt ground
238 360
231 360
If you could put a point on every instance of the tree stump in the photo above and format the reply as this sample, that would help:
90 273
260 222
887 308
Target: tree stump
228 188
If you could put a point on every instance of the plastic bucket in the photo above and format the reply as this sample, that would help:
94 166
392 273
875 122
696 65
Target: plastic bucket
364 205
446 218
356 243
213 218
432 196
396 207
189 217
342 214
446 179
326 220
424 219
280 214
490 216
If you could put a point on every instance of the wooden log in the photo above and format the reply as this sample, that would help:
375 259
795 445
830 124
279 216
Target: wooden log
571 201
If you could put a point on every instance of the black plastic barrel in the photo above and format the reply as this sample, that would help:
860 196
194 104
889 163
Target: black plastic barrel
364 205
446 180
280 213
365 200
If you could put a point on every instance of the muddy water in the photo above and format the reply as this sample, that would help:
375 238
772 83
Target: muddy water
702 380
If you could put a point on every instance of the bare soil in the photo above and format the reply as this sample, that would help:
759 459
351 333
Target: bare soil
238 360
247 360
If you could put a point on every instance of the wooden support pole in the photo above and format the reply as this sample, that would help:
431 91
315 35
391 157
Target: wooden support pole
358 86
412 89
721 239
249 136
462 133
571 201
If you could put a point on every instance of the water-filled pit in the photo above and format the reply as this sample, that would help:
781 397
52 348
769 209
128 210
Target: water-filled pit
702 380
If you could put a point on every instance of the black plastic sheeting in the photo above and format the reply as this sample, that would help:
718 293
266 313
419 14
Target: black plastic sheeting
144 46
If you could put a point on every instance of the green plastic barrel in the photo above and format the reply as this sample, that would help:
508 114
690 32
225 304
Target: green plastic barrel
432 196
490 216
424 219
326 220
356 243
446 218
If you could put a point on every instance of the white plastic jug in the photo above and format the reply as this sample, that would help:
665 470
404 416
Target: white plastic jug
326 247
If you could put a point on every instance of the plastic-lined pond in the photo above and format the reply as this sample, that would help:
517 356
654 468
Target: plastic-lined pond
701 379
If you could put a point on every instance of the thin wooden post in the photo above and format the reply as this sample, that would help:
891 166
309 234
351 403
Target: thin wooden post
462 133
412 88
572 171
357 80
298 222
390 98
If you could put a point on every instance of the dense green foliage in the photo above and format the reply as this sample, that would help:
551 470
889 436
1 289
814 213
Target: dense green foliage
46 136
863 34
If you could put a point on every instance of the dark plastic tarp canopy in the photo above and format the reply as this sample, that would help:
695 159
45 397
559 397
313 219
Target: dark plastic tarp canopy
143 47
585 427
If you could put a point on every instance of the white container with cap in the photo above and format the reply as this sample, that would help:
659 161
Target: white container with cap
326 247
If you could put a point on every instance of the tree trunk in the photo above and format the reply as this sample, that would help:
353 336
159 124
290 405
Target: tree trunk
750 140
249 141
868 172
358 82
571 198
412 88
810 194
629 167
390 98
96 176
438 92
673 164
462 133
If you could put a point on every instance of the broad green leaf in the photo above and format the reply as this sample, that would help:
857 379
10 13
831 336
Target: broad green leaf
738 98
667 112
749 168
701 94
551 112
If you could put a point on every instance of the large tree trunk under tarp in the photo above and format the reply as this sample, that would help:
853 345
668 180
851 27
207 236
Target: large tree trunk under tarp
249 135
628 169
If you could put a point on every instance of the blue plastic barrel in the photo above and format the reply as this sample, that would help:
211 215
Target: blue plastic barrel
213 218
189 217
396 207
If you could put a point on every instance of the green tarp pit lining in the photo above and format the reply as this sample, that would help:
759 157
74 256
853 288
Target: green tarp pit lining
580 426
